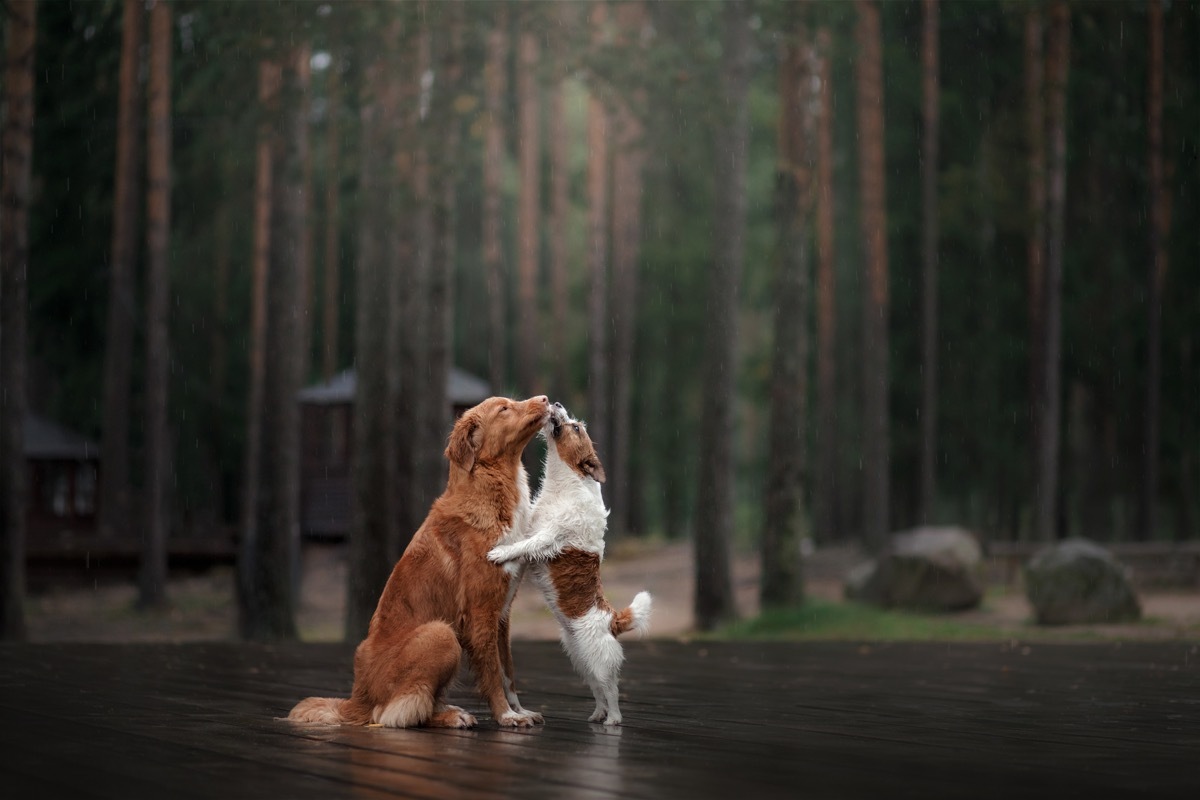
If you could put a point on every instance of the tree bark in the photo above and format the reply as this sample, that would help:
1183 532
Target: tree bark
330 326
783 496
305 273
402 106
440 298
249 606
597 259
250 610
1036 243
278 502
1049 426
528 215
1148 500
495 73
714 601
872 192
560 207
114 478
16 147
218 363
369 558
929 261
152 582
627 180
825 526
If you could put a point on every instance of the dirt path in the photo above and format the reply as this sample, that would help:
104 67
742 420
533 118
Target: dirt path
202 606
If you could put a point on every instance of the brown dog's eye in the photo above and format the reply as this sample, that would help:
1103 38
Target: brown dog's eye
576 427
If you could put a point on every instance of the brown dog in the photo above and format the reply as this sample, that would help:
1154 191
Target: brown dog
443 596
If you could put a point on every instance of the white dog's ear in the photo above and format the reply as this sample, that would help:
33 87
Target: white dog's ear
592 467
464 443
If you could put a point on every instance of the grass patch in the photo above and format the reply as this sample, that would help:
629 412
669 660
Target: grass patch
822 619
847 621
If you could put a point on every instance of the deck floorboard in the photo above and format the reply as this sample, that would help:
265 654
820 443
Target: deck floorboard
701 719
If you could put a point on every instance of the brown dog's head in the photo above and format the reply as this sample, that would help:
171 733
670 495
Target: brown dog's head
571 441
495 430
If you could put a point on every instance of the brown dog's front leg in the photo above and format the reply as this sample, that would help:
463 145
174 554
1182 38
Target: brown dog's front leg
510 681
483 646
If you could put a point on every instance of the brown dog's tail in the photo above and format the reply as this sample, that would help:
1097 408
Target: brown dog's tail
327 711
636 617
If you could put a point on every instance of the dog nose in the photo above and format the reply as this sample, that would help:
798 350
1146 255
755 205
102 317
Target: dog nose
541 398
559 406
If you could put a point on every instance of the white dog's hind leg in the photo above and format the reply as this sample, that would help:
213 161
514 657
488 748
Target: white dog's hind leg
599 657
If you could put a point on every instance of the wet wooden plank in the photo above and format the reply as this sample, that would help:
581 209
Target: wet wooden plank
705 719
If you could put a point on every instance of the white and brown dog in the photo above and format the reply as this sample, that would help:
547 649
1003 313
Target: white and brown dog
564 547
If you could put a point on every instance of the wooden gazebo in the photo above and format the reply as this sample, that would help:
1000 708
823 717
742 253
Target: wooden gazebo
326 446
64 473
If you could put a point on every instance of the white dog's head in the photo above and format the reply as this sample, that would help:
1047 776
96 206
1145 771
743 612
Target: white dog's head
568 438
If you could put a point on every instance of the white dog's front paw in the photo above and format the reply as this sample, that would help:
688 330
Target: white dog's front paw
500 554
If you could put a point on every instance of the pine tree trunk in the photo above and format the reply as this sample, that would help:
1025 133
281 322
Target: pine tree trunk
277 512
1049 426
783 495
407 240
369 556
415 351
218 364
440 298
493 209
597 257
714 601
628 162
114 478
929 262
305 273
330 326
15 167
560 206
1036 245
250 611
825 525
875 280
1157 201
152 581
528 216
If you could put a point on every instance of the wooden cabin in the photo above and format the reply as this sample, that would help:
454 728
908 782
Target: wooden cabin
64 476
327 443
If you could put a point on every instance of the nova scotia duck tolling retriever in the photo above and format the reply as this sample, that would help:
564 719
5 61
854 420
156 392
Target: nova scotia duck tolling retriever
443 597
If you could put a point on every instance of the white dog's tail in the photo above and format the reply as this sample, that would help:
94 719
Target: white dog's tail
634 618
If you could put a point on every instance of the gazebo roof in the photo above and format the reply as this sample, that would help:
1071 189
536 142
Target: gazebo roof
46 439
462 389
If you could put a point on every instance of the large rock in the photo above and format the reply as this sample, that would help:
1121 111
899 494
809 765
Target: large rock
925 569
1078 581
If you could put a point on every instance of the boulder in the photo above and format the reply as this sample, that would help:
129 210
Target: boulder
1078 581
925 569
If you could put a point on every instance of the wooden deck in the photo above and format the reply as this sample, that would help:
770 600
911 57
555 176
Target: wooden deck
741 720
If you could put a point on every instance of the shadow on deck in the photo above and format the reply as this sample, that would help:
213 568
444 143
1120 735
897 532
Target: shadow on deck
701 719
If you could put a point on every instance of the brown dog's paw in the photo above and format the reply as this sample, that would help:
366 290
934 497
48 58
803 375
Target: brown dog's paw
452 717
516 719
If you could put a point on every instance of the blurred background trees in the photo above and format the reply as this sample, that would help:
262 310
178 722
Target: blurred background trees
591 200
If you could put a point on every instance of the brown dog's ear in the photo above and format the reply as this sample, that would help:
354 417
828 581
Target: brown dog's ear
464 443
592 467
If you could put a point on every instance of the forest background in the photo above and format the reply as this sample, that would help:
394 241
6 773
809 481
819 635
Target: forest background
811 271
